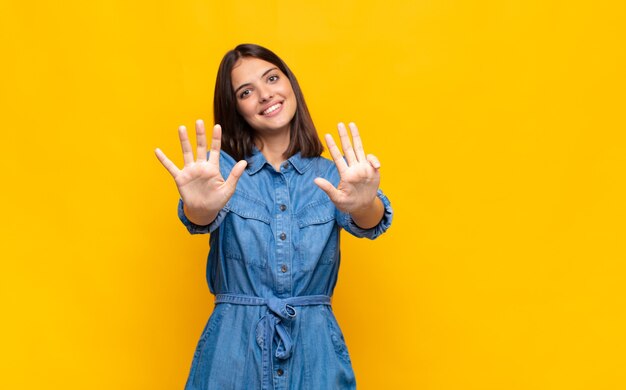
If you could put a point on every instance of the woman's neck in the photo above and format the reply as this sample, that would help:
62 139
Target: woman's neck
273 147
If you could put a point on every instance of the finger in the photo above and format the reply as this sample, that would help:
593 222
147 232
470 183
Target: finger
234 176
201 140
348 152
373 160
185 145
335 153
169 165
327 187
216 143
356 139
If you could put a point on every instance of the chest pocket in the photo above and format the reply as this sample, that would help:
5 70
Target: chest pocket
246 231
319 235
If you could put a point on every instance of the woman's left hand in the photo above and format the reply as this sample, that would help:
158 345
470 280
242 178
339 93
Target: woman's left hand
359 175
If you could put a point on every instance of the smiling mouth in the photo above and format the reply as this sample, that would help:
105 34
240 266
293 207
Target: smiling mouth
272 109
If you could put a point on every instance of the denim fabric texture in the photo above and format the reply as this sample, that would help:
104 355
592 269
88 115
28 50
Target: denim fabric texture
273 263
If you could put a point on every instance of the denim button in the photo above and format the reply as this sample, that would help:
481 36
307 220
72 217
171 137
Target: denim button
282 236
283 268
283 207
280 372
285 165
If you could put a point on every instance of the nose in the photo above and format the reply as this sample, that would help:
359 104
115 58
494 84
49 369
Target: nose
265 94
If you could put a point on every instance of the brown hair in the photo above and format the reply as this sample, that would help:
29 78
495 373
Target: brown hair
237 134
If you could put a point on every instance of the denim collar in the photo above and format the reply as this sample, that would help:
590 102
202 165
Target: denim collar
257 160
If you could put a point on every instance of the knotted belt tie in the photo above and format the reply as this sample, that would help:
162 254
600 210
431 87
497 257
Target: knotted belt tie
271 325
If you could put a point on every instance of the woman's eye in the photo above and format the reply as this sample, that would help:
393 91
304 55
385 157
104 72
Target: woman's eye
273 78
245 93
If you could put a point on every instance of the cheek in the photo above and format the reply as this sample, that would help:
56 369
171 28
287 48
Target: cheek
291 96
290 90
295 107
244 108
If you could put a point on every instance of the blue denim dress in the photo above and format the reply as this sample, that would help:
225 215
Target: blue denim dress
272 266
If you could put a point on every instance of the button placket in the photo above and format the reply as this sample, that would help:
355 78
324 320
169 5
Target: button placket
283 240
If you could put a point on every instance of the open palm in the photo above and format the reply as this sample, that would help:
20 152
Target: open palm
358 173
200 183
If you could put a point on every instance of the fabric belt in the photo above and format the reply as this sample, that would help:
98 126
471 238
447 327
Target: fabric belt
271 325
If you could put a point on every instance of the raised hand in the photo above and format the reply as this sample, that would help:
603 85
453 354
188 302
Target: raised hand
359 176
200 183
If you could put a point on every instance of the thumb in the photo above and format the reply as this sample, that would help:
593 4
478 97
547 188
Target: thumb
373 160
327 187
234 176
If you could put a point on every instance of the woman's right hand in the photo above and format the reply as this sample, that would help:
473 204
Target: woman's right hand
201 186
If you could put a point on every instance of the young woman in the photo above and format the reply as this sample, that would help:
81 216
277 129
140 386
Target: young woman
274 230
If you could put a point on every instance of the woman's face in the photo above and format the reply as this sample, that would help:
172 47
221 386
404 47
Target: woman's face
264 95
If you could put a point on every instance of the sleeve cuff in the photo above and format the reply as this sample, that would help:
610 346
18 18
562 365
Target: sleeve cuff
375 231
199 229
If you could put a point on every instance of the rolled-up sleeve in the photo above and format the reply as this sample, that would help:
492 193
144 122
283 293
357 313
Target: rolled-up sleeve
200 229
346 221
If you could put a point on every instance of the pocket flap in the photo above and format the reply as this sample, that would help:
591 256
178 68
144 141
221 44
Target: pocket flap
316 213
248 207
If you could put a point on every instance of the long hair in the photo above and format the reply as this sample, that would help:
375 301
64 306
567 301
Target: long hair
237 134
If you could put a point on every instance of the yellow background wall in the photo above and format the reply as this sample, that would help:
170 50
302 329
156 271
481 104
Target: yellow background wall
500 127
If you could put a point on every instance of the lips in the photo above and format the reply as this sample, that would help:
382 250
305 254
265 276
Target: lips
272 109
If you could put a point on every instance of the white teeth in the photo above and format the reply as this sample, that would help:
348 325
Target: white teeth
271 109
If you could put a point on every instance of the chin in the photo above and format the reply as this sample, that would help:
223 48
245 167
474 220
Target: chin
276 126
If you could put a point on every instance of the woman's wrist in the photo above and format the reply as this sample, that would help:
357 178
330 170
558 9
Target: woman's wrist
200 217
370 215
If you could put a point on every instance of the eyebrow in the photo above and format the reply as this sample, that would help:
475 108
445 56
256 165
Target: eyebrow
263 75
